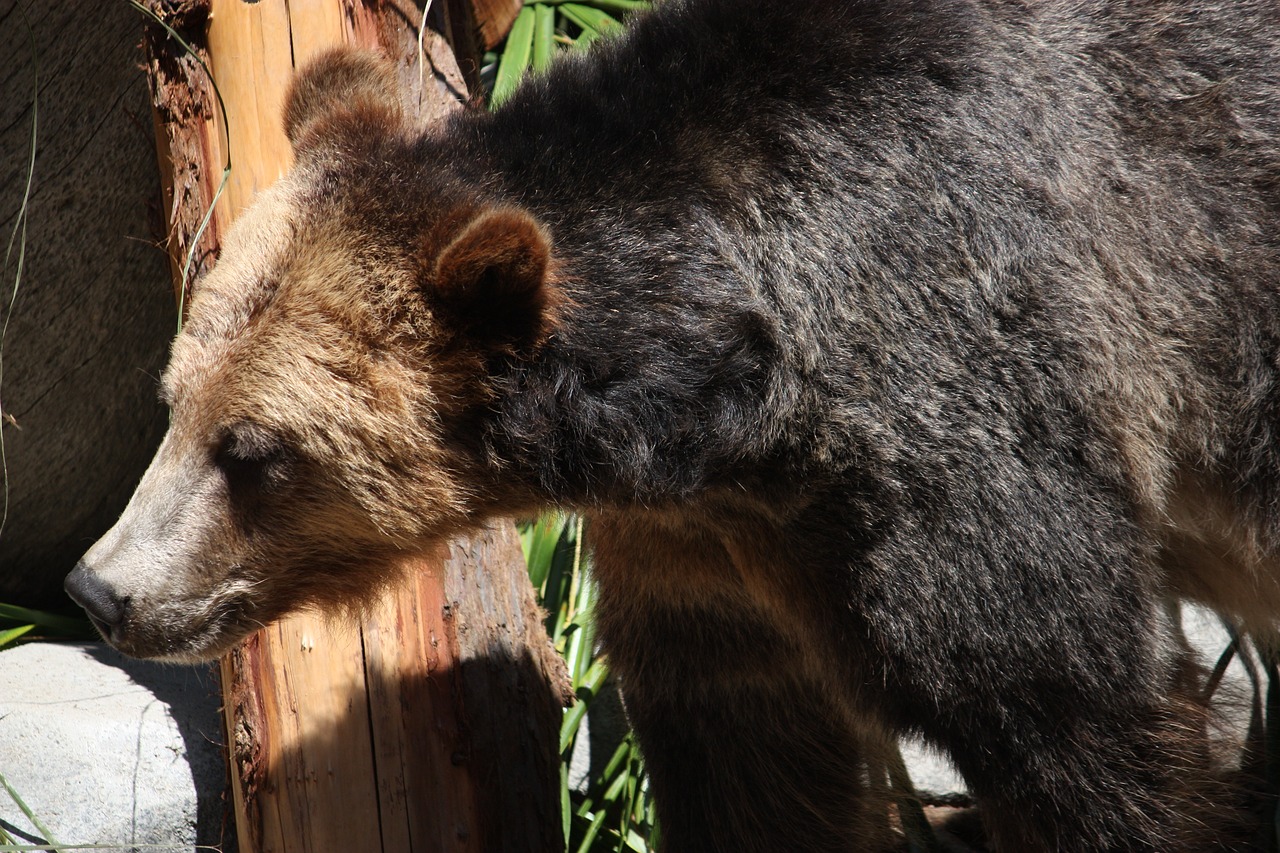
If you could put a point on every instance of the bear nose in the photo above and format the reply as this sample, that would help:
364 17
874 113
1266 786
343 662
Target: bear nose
104 607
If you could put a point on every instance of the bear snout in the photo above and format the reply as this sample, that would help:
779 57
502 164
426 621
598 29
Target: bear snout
104 606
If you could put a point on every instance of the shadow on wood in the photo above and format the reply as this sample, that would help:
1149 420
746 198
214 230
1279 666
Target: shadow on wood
425 731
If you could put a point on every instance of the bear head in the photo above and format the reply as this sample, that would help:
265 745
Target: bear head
328 387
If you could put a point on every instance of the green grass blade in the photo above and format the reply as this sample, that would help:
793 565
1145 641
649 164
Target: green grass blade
589 18
64 625
621 7
586 692
539 543
655 833
544 35
588 34
515 57
35 821
581 647
593 829
557 595
7 637
566 805
619 784
1220 669
620 756
631 787
636 842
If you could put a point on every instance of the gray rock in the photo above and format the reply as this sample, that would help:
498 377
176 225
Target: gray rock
92 319
108 750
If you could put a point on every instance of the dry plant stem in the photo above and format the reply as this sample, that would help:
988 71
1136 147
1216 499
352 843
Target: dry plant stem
18 238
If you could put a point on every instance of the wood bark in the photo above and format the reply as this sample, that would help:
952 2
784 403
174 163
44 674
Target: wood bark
432 725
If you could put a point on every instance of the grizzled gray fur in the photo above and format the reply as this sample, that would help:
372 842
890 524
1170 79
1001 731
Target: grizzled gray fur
906 357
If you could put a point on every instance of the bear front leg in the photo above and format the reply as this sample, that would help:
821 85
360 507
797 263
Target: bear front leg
1055 683
758 769
1110 775
748 750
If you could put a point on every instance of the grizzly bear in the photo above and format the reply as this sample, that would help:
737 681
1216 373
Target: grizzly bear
906 359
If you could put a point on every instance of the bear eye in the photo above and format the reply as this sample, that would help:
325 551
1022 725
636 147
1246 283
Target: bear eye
248 456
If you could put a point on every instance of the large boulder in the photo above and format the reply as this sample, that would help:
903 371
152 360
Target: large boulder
89 327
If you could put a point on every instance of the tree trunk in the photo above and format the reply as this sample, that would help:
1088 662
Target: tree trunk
432 725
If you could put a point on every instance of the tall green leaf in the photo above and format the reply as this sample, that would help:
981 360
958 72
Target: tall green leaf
515 58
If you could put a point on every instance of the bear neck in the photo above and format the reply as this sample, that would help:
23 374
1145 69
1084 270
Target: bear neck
652 403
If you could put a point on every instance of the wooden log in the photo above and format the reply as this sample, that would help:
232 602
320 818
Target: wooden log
188 147
495 17
432 725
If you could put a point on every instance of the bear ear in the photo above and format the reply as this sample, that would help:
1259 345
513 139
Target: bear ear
356 84
493 281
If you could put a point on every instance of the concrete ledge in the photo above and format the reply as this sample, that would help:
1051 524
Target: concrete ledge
109 750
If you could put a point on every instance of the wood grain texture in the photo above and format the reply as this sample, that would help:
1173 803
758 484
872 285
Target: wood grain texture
189 147
495 17
432 725
251 56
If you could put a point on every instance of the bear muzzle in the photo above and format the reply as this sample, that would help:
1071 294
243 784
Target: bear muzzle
102 604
